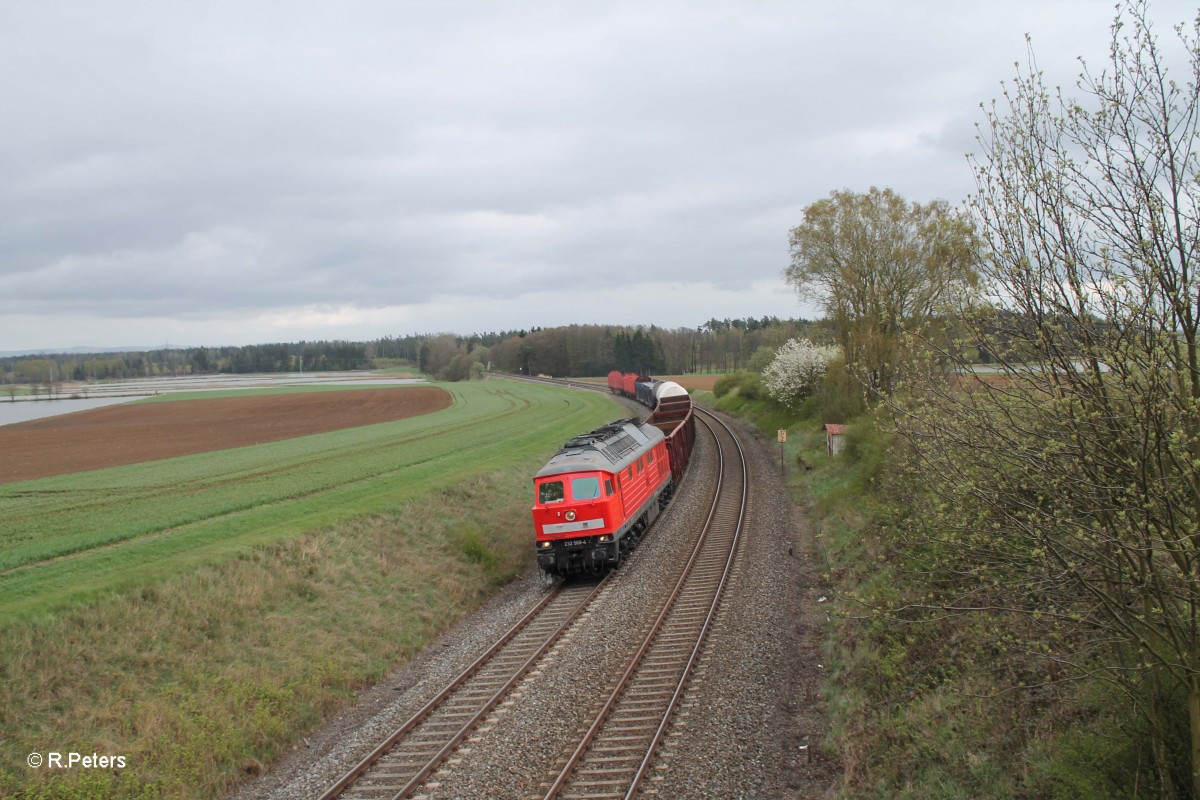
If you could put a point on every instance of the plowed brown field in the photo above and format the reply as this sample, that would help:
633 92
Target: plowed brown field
129 434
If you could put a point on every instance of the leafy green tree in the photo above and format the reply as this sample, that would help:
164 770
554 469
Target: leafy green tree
880 266
761 359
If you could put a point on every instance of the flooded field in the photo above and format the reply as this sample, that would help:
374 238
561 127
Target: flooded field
132 434
84 396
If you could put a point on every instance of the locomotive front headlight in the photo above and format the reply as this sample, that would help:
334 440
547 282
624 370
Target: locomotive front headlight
606 537
570 516
543 545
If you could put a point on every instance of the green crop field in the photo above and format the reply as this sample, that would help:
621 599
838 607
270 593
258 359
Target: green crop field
198 615
66 538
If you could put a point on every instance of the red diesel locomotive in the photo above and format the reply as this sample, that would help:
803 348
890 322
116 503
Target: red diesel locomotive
600 492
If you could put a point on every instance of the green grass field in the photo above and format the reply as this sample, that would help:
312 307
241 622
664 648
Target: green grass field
65 538
199 614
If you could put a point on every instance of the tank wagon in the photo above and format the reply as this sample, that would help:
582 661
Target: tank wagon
600 492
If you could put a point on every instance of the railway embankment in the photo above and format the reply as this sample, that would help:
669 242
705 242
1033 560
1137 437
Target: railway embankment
751 720
923 699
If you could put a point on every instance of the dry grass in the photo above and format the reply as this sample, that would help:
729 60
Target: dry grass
204 678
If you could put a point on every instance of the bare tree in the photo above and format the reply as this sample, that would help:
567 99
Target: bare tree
1069 483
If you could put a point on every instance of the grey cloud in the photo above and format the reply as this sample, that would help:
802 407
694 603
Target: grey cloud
165 159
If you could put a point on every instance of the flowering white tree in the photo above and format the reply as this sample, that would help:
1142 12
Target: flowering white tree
798 368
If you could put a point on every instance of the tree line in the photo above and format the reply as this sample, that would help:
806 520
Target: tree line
717 345
583 350
168 362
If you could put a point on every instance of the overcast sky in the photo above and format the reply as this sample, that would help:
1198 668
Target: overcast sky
233 173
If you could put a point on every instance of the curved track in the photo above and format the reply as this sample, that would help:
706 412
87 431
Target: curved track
612 759
619 746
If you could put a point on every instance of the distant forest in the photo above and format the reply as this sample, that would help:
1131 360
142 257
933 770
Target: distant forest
575 350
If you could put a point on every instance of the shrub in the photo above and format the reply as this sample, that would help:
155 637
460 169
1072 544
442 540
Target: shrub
869 448
724 385
743 384
797 370
840 398
761 359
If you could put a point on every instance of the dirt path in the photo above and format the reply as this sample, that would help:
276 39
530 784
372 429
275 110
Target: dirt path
130 434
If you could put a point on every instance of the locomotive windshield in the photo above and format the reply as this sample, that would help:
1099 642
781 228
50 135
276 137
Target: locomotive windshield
550 492
585 488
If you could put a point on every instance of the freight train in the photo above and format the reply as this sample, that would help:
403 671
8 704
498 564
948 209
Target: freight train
597 496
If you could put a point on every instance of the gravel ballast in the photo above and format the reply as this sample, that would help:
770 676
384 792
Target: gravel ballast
751 724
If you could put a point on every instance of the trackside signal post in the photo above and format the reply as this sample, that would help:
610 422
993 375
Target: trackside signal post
782 439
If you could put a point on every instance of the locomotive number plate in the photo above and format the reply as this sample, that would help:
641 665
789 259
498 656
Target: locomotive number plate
573 542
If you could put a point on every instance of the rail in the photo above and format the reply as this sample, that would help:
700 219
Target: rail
531 638
618 748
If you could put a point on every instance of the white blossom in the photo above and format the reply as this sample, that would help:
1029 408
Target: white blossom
798 368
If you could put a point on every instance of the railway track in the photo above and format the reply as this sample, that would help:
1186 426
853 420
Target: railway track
613 757
616 752
403 761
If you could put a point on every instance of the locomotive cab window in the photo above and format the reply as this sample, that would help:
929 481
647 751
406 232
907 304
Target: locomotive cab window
550 492
585 488
608 488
